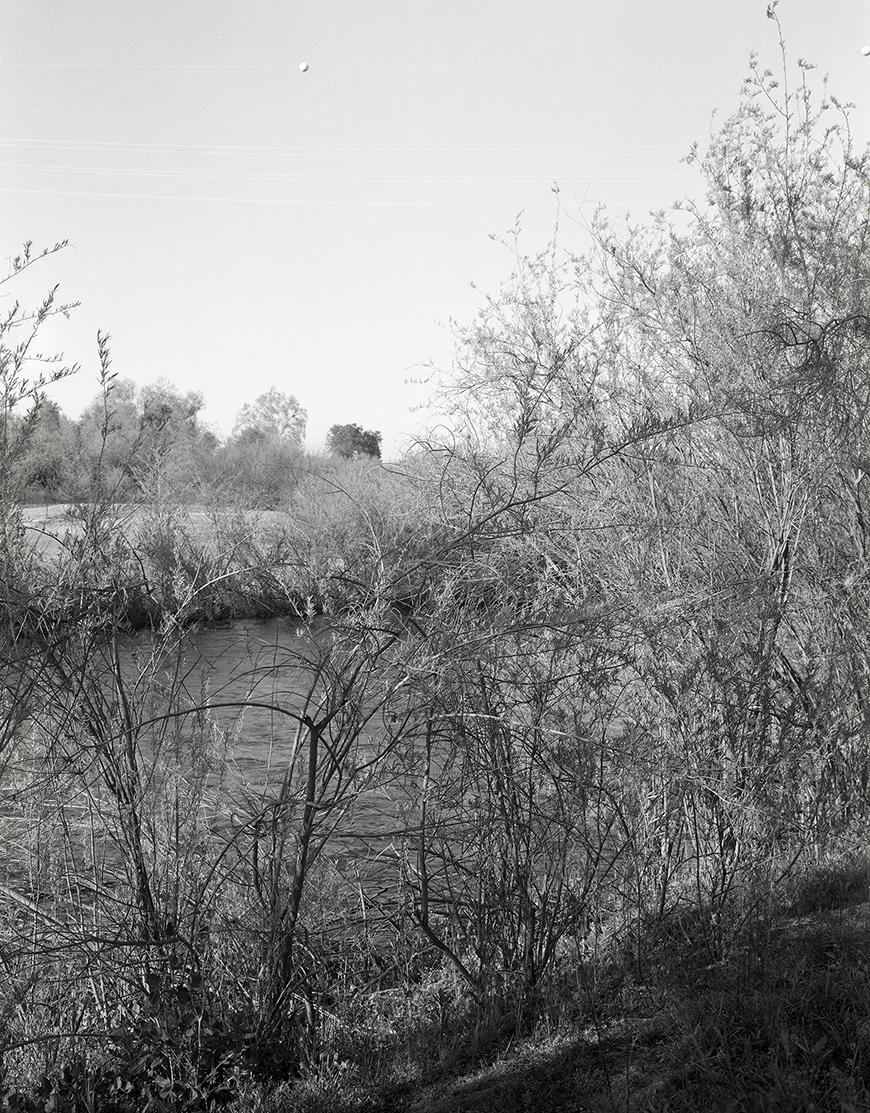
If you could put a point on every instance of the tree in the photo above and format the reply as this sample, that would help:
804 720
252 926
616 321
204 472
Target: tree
47 462
352 440
25 373
173 445
155 443
272 414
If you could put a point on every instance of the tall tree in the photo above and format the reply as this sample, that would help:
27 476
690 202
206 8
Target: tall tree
272 414
154 441
352 440
47 463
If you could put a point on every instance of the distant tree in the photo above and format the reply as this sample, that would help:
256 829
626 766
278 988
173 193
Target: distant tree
272 414
173 447
47 461
155 443
107 434
25 373
352 440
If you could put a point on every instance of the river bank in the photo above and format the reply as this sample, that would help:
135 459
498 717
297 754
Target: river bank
195 563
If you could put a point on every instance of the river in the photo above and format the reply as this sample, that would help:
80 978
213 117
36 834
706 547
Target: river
247 673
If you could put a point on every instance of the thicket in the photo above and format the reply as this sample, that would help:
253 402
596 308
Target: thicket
602 656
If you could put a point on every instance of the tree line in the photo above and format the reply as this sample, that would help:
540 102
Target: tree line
151 442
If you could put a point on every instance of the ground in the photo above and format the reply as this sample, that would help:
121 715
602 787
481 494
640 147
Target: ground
786 1029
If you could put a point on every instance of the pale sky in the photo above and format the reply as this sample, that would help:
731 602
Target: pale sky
238 224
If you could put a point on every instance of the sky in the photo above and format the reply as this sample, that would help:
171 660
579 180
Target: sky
237 224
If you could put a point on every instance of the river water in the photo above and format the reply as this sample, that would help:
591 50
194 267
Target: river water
246 673
210 728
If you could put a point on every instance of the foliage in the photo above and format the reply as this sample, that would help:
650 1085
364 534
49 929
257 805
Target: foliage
148 443
25 374
47 465
352 440
258 471
272 414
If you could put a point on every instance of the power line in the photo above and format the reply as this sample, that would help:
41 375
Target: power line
258 66
356 203
380 178
322 203
349 151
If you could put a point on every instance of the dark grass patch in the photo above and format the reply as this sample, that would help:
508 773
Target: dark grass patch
831 885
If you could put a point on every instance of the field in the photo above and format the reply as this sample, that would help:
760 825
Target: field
47 525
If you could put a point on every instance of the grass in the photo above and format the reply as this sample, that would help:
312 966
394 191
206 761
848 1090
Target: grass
207 564
782 1025
191 563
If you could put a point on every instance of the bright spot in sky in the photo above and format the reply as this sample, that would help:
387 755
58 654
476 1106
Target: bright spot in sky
304 66
865 50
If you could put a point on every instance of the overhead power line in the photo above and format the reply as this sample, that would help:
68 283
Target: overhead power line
317 202
350 151
314 202
280 68
213 175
